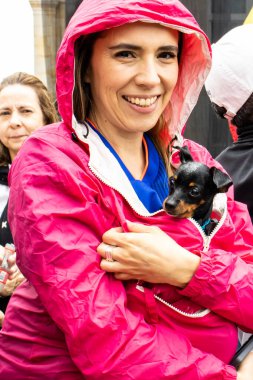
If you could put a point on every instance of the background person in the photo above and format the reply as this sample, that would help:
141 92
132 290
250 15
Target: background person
25 105
230 88
131 74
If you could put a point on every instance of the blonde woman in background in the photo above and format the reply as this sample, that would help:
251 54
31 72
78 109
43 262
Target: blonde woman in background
25 105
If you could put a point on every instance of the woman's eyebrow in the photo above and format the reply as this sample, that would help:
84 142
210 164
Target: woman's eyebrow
136 47
20 106
169 48
125 46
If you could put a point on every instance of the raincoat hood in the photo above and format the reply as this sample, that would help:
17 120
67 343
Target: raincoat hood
95 16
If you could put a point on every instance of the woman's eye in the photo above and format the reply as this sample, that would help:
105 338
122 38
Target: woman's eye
26 111
125 54
167 55
194 192
4 113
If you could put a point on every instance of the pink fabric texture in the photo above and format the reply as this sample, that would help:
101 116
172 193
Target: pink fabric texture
83 323
70 320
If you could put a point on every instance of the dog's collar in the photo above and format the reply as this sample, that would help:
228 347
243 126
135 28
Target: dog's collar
209 226
206 224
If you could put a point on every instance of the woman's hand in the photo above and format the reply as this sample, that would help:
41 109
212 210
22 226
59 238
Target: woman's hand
147 253
245 371
15 276
12 283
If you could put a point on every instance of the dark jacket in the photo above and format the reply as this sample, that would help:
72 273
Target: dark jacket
237 160
4 191
5 233
4 175
5 237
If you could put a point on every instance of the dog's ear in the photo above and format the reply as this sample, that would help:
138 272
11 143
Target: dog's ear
221 180
184 154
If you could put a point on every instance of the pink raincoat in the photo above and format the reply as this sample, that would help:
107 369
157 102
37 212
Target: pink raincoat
72 321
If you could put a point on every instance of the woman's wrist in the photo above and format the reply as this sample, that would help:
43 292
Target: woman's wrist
191 264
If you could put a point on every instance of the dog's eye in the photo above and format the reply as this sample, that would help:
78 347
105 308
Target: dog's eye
171 185
172 181
194 192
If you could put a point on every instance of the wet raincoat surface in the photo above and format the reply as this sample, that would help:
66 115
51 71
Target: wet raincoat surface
70 320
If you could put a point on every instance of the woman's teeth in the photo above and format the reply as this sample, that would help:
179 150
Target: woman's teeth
143 102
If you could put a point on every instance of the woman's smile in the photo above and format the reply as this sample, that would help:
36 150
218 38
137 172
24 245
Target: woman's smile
142 105
141 101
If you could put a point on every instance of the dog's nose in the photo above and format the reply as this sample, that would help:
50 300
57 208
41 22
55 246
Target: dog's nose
170 204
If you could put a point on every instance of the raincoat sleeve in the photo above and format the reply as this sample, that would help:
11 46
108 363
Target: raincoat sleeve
224 280
57 225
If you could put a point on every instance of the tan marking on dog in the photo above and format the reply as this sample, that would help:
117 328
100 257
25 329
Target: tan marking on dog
184 210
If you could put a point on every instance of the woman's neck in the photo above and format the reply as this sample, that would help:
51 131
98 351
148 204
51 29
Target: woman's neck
134 158
129 147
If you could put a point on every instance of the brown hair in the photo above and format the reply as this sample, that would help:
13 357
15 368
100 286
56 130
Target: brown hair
47 107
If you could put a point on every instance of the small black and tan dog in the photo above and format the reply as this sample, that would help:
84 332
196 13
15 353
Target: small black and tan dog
192 190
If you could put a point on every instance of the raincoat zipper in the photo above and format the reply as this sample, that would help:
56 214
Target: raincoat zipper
207 238
190 315
206 243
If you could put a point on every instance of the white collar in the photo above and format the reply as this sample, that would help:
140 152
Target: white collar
106 167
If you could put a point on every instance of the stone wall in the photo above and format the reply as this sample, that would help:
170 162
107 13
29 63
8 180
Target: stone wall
49 25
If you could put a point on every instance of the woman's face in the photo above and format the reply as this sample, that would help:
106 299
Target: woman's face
133 72
20 115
